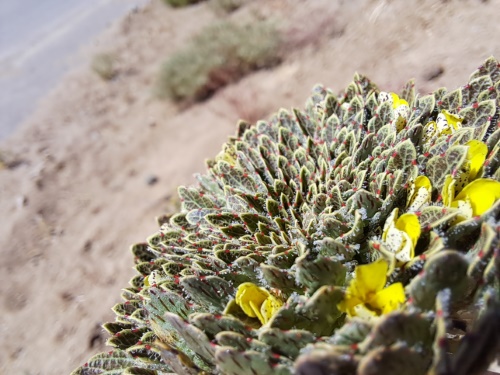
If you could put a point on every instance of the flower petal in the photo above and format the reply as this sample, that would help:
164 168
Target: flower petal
419 199
481 194
465 210
442 125
423 181
420 193
407 250
348 303
397 101
255 311
448 192
390 222
384 96
250 297
370 278
363 312
462 178
270 306
401 111
394 239
454 121
409 224
400 119
388 299
476 155
430 130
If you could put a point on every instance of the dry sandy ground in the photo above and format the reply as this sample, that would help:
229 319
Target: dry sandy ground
75 194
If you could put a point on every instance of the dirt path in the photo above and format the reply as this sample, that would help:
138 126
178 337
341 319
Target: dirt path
79 195
39 42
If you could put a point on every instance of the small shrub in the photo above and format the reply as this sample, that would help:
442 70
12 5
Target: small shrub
227 6
222 53
103 64
181 3
9 161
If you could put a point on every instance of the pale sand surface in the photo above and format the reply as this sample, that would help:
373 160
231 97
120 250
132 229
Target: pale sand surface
79 197
38 44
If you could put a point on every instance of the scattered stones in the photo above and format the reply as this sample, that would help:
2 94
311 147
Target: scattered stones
151 180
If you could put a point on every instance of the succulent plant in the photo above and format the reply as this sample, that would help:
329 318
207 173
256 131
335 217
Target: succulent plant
358 236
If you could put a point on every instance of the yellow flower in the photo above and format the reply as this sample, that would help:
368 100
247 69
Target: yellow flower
474 199
366 296
448 192
257 302
446 123
420 194
476 155
401 235
228 154
471 196
397 101
400 107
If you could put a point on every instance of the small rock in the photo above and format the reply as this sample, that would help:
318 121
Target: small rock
151 180
39 183
87 246
434 73
67 296
96 338
21 201
163 219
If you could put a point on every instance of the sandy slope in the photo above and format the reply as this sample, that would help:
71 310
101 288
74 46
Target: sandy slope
78 197
38 40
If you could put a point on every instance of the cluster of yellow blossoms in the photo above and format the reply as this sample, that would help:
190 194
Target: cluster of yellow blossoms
367 295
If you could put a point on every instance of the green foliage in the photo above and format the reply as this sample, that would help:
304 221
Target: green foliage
104 65
220 54
227 6
297 205
181 3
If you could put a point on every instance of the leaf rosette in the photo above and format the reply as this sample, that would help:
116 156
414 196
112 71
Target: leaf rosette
267 266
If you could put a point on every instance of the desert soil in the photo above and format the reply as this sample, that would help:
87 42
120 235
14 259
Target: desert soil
78 183
38 40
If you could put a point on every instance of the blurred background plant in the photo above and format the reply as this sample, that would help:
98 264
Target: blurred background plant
220 54
181 3
104 65
227 6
